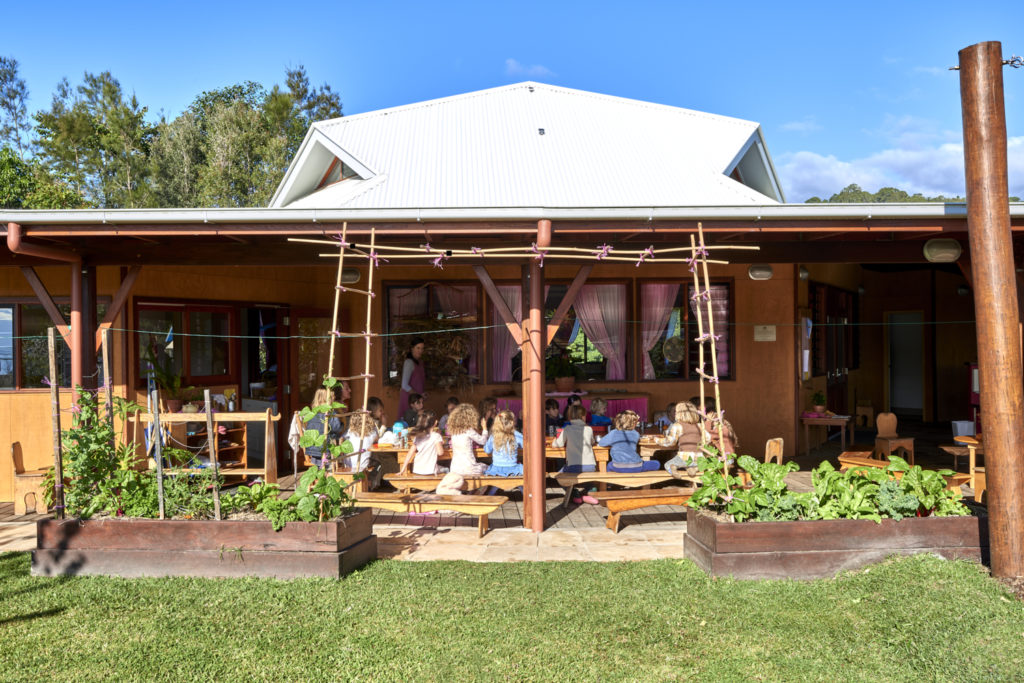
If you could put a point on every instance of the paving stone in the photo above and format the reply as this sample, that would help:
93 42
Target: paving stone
509 554
622 553
563 553
554 538
665 536
511 538
670 551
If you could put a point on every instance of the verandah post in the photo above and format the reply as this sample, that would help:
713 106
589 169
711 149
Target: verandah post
534 503
995 300
58 459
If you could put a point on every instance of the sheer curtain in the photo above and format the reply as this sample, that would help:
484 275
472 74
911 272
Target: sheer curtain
657 301
720 315
461 299
504 345
601 310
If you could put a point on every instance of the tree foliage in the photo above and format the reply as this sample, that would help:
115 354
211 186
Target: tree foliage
853 194
28 185
15 124
94 144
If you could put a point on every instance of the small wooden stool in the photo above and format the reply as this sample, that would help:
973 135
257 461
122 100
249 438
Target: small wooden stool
868 413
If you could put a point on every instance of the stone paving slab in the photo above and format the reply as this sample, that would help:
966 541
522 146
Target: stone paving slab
17 537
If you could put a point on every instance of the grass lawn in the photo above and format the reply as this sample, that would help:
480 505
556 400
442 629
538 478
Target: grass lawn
918 618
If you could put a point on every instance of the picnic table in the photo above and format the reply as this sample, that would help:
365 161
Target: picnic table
826 421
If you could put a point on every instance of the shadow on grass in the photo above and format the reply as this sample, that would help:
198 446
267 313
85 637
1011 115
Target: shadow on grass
32 615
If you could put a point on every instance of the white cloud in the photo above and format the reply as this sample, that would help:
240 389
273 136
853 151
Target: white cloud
929 169
806 125
514 68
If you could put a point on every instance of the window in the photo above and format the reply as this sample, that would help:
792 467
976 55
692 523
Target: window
24 358
595 331
447 316
193 340
669 328
835 347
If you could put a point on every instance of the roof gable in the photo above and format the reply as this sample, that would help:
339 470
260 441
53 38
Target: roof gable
531 144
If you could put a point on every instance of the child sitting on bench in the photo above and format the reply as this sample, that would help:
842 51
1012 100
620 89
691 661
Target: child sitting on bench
427 446
622 443
462 425
503 445
685 436
578 440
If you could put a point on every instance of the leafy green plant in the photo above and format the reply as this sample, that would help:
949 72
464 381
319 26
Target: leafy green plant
318 497
318 438
559 364
896 491
818 399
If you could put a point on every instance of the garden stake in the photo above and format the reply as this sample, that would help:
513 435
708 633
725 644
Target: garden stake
154 400
108 388
58 464
714 358
369 310
211 437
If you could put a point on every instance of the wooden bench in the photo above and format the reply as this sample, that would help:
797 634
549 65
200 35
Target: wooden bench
569 480
618 502
847 461
27 483
479 506
429 482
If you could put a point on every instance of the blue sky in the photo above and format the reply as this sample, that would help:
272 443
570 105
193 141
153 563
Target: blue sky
845 92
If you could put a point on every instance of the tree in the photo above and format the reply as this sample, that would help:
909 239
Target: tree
854 194
15 124
27 185
176 159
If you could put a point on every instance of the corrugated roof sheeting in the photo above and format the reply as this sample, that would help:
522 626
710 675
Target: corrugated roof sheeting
485 149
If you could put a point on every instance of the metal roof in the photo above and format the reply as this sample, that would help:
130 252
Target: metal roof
531 144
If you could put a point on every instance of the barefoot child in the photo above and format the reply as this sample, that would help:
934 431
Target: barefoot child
685 436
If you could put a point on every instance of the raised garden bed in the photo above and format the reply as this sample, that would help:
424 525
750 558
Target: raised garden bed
823 548
148 547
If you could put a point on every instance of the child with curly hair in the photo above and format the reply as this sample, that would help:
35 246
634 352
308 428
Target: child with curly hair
463 423
622 443
503 445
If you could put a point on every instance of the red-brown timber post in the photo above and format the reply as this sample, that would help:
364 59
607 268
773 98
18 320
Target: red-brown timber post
535 464
995 300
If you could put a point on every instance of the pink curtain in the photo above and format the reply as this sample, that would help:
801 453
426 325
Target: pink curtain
461 300
657 301
504 345
601 310
720 316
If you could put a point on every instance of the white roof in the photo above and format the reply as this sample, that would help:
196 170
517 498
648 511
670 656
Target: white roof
486 149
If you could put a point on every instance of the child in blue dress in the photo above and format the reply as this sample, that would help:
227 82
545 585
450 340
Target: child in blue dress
622 445
503 445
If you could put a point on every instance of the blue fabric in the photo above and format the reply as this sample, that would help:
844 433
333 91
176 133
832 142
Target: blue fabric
642 466
508 457
622 446
578 469
504 471
600 420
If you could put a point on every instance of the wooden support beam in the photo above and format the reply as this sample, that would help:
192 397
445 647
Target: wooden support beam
995 300
117 305
500 304
534 491
567 301
47 301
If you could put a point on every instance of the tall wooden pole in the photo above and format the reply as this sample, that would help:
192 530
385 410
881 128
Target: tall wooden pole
995 301
535 490
58 460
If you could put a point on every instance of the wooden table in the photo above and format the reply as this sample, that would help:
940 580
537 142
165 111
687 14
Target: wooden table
841 421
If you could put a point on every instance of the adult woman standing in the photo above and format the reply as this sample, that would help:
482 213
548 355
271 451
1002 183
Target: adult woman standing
414 378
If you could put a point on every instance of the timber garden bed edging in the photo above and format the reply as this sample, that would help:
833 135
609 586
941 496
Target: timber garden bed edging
203 548
815 549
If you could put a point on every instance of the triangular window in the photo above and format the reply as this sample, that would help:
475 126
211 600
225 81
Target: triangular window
336 172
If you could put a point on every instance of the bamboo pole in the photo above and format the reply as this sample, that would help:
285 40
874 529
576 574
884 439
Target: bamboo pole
532 255
330 357
700 333
995 300
154 397
211 437
58 456
714 363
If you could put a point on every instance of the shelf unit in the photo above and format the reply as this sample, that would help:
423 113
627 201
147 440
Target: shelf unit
230 448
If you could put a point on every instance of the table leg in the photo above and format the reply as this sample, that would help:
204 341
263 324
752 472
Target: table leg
842 437
807 439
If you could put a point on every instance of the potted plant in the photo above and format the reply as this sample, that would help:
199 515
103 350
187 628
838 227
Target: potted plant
818 401
564 372
168 380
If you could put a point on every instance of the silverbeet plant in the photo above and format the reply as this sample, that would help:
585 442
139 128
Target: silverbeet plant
896 491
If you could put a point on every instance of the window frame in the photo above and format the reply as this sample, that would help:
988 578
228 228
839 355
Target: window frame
186 306
16 329
726 280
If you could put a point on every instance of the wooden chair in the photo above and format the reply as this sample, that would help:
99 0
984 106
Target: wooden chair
888 440
977 474
865 411
27 483
773 450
